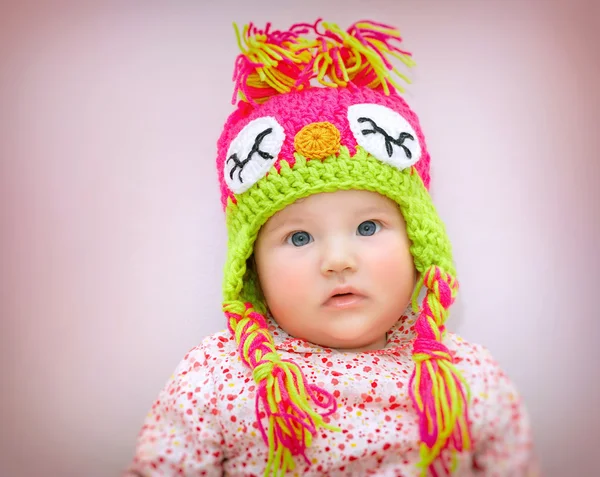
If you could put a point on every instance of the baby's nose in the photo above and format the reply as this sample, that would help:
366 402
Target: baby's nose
339 258
317 140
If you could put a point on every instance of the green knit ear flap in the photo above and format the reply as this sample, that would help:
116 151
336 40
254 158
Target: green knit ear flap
251 291
430 242
241 283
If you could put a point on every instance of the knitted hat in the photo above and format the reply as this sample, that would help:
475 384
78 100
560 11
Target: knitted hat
319 111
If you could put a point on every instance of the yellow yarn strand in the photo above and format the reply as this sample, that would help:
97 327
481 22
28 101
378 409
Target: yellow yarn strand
407 60
373 59
257 49
418 363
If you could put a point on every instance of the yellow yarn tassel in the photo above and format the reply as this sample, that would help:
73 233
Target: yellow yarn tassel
283 393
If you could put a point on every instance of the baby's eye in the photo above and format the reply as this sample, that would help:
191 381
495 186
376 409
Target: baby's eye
368 227
299 239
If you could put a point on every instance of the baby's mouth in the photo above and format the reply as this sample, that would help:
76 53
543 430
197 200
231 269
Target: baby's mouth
344 301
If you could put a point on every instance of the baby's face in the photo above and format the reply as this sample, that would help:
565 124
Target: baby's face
345 241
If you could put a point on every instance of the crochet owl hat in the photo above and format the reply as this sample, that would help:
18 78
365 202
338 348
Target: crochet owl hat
319 111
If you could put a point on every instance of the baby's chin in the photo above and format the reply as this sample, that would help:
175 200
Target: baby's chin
353 335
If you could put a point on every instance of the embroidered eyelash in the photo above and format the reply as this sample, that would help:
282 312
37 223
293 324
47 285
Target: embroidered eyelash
389 140
255 149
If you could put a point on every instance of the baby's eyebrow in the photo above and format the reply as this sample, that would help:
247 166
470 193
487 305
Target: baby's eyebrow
283 223
372 209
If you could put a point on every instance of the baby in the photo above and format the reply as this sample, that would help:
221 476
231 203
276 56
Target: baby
338 283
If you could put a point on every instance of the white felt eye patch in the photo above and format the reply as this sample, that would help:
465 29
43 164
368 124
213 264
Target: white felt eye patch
252 153
384 134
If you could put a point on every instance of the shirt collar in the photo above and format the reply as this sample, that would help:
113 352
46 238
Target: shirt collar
400 336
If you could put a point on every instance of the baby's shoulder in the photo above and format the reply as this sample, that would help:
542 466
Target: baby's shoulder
217 347
459 344
472 357
219 342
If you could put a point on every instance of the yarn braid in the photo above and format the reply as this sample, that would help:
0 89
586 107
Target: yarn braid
284 398
438 391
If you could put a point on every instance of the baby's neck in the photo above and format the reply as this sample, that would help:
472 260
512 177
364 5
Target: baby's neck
374 346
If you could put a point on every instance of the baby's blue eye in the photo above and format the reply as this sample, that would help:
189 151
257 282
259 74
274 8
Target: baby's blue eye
299 239
368 227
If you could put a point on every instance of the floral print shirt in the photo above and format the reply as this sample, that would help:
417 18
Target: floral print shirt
204 423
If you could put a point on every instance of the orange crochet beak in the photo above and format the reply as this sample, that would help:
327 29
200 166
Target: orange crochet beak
317 140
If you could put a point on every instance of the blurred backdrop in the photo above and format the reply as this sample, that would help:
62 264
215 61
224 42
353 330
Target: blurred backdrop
113 239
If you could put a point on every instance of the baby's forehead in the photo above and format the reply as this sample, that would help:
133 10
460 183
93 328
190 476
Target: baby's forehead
324 206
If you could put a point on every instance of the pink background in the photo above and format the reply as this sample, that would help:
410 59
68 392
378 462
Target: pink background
113 239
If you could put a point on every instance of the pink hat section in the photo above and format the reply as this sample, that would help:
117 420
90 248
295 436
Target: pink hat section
296 109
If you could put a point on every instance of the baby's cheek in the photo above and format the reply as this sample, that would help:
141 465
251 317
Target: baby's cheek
290 296
289 279
298 282
392 262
